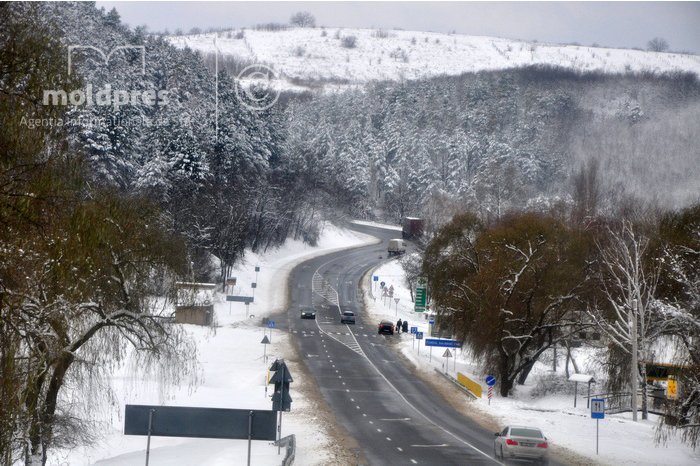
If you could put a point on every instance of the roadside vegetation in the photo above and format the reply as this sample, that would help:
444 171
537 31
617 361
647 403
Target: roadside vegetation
515 287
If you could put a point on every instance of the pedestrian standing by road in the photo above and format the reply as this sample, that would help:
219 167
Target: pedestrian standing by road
398 326
404 327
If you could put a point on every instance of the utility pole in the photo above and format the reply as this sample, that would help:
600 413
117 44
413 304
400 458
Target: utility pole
635 369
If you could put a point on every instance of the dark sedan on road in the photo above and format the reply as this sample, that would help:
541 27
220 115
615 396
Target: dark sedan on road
386 327
308 313
347 317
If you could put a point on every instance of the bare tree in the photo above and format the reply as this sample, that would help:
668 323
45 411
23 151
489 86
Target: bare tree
586 191
657 44
303 19
628 279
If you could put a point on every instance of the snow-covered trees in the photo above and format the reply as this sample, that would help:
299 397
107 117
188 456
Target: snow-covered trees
303 19
495 142
657 44
629 311
511 291
76 301
680 289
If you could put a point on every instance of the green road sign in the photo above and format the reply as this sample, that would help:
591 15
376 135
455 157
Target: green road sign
420 299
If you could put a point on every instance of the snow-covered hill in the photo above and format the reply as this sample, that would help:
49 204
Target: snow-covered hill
304 54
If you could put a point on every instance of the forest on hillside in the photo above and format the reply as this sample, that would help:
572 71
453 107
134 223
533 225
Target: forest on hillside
499 141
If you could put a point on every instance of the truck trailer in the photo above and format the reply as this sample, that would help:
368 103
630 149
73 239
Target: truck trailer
412 228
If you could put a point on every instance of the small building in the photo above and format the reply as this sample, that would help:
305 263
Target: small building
194 303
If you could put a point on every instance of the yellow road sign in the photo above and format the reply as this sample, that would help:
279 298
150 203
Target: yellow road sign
671 389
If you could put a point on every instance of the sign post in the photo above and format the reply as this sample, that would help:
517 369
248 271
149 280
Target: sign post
597 413
413 332
447 355
396 300
265 341
419 337
490 381
182 421
270 325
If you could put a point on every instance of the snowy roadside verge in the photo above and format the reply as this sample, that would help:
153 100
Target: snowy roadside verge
232 375
570 430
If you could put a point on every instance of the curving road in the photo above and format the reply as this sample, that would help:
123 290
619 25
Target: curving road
395 418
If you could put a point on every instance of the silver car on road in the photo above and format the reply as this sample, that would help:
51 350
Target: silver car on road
521 442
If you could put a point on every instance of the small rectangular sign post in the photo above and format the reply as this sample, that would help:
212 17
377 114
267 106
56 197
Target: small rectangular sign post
597 413
418 336
240 299
443 343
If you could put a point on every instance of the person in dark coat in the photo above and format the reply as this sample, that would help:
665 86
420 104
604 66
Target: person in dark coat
398 326
404 327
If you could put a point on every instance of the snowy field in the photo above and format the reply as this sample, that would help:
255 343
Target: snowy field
317 54
232 375
622 441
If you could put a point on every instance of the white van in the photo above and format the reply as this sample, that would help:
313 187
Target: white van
396 247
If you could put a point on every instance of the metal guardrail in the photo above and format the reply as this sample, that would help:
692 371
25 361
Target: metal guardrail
290 444
457 384
621 402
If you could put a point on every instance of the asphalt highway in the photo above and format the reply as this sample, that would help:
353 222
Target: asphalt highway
395 417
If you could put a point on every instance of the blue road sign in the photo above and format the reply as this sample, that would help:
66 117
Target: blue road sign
414 329
375 278
431 322
490 381
271 323
419 336
597 408
443 343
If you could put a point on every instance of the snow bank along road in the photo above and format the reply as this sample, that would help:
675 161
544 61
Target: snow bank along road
393 416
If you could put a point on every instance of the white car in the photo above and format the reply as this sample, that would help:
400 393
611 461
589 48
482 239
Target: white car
521 442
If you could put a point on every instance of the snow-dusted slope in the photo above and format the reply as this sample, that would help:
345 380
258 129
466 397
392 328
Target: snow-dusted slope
313 54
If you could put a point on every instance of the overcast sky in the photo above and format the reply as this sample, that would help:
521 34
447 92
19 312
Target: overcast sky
616 24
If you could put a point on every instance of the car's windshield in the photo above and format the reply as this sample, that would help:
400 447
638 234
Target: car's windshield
348 313
519 432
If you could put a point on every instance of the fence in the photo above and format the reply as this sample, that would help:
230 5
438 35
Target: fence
621 402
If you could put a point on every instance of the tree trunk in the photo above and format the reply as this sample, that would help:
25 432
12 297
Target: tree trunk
506 386
570 356
645 402
522 377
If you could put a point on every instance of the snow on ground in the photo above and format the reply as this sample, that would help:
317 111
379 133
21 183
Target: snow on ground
622 441
232 375
378 225
317 54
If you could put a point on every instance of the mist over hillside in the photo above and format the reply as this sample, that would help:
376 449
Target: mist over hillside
503 140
